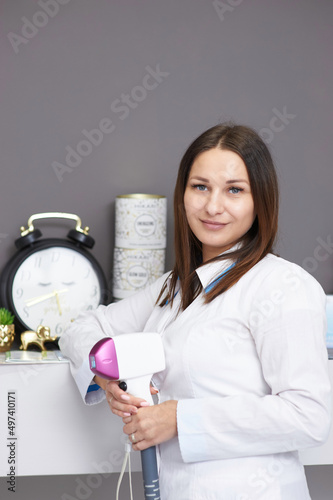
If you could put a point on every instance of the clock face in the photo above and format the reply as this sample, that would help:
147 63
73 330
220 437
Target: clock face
52 286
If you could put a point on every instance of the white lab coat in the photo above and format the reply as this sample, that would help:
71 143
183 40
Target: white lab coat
249 371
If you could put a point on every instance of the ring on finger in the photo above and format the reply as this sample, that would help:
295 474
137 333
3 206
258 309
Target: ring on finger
109 400
133 438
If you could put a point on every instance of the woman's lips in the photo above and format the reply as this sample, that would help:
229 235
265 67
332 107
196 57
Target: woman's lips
213 226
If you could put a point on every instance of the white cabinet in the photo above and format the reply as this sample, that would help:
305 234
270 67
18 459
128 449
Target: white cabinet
55 432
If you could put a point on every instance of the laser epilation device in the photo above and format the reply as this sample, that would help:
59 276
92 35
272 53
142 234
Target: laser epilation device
133 358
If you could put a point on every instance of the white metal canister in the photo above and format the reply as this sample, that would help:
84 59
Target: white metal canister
134 269
140 221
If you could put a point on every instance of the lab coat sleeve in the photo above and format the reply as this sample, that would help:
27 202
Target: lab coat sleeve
291 346
126 316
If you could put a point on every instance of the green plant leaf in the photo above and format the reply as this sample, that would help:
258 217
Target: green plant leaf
6 317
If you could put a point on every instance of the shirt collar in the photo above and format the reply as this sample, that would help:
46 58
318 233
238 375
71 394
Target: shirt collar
209 272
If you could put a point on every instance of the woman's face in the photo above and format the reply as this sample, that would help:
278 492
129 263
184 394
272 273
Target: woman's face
218 201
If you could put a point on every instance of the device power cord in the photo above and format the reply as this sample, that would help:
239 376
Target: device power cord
127 458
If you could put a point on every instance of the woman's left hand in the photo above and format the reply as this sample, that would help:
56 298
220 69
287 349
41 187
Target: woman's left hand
152 425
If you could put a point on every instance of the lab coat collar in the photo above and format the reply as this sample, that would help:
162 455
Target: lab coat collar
209 272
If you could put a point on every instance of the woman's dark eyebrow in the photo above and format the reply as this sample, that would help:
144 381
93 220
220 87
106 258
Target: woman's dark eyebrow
198 178
232 181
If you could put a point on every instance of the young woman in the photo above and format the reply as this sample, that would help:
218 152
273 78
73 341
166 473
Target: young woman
245 385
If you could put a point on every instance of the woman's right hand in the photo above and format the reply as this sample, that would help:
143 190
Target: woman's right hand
121 403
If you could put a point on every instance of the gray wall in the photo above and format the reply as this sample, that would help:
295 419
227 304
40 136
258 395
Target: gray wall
251 62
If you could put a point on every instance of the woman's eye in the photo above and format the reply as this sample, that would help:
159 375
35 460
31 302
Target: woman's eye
200 187
235 190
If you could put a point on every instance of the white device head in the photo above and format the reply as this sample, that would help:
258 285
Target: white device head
132 357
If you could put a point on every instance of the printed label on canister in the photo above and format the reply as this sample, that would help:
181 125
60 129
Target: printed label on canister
140 221
134 269
145 225
137 276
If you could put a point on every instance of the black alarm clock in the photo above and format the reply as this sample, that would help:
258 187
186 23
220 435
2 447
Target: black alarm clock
51 281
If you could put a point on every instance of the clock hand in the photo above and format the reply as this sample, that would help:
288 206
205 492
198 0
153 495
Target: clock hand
41 298
58 303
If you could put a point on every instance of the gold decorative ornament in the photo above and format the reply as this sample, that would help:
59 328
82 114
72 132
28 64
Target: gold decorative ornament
7 329
7 335
39 337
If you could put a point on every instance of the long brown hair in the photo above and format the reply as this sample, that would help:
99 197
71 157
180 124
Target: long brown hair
255 244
